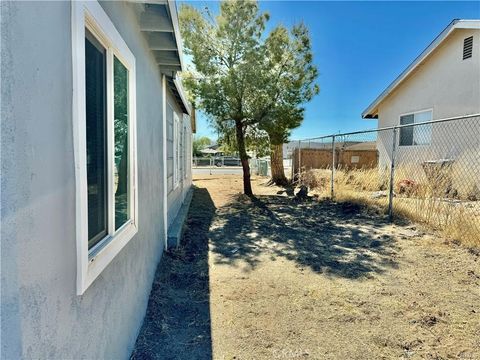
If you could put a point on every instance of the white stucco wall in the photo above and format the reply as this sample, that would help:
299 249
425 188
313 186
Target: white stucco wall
42 317
450 87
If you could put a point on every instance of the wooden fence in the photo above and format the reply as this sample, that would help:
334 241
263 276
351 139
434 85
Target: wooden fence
344 158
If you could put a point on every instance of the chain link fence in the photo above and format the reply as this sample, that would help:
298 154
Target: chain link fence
202 162
428 172
260 167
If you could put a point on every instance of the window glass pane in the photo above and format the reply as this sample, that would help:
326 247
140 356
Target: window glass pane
95 86
121 186
422 134
406 133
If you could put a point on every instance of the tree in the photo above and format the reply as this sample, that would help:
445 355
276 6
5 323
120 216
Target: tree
227 52
278 126
288 78
256 141
199 144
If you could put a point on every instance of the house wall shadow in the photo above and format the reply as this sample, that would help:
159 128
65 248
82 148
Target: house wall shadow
177 324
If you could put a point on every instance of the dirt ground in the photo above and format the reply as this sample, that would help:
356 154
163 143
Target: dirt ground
273 278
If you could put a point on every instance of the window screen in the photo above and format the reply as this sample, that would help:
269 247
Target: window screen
95 87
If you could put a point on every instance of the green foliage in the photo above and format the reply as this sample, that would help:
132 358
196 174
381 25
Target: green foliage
241 74
199 144
226 52
248 83
288 78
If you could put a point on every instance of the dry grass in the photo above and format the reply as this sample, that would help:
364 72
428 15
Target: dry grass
446 200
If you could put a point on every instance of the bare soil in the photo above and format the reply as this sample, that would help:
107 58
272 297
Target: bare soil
309 279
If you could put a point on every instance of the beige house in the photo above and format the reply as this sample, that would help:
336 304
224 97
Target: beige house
442 82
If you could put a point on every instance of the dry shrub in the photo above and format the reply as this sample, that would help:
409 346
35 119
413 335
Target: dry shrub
466 175
455 220
362 179
318 179
435 199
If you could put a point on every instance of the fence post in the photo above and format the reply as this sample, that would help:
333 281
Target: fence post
292 168
299 159
332 194
392 175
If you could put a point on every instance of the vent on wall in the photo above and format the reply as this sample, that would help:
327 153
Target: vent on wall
467 47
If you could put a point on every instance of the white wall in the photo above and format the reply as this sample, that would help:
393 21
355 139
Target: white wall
42 317
448 85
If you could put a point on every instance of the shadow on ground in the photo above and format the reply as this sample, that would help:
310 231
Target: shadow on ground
177 324
337 239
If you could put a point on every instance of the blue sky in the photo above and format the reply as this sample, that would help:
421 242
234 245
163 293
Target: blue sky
359 48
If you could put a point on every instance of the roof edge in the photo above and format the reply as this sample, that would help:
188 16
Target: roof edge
183 96
371 111
172 8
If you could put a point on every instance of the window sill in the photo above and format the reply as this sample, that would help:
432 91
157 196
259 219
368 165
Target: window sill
105 251
414 146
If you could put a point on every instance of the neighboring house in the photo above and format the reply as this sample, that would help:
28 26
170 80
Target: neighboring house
212 150
96 162
442 82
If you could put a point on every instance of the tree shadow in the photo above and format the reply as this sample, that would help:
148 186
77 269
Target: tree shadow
177 324
337 239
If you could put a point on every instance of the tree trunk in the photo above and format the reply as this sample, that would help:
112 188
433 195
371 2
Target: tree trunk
276 163
247 186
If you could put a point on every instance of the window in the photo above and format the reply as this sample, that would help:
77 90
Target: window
96 138
185 152
170 148
104 140
176 145
415 134
467 47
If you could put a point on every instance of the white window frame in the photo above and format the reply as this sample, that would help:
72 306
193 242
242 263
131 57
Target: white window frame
91 262
176 150
416 126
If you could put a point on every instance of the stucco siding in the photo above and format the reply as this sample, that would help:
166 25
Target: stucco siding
447 85
42 317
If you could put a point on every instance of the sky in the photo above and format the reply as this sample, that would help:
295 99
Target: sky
359 48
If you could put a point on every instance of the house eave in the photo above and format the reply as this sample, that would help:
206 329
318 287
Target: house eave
158 21
183 96
176 28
